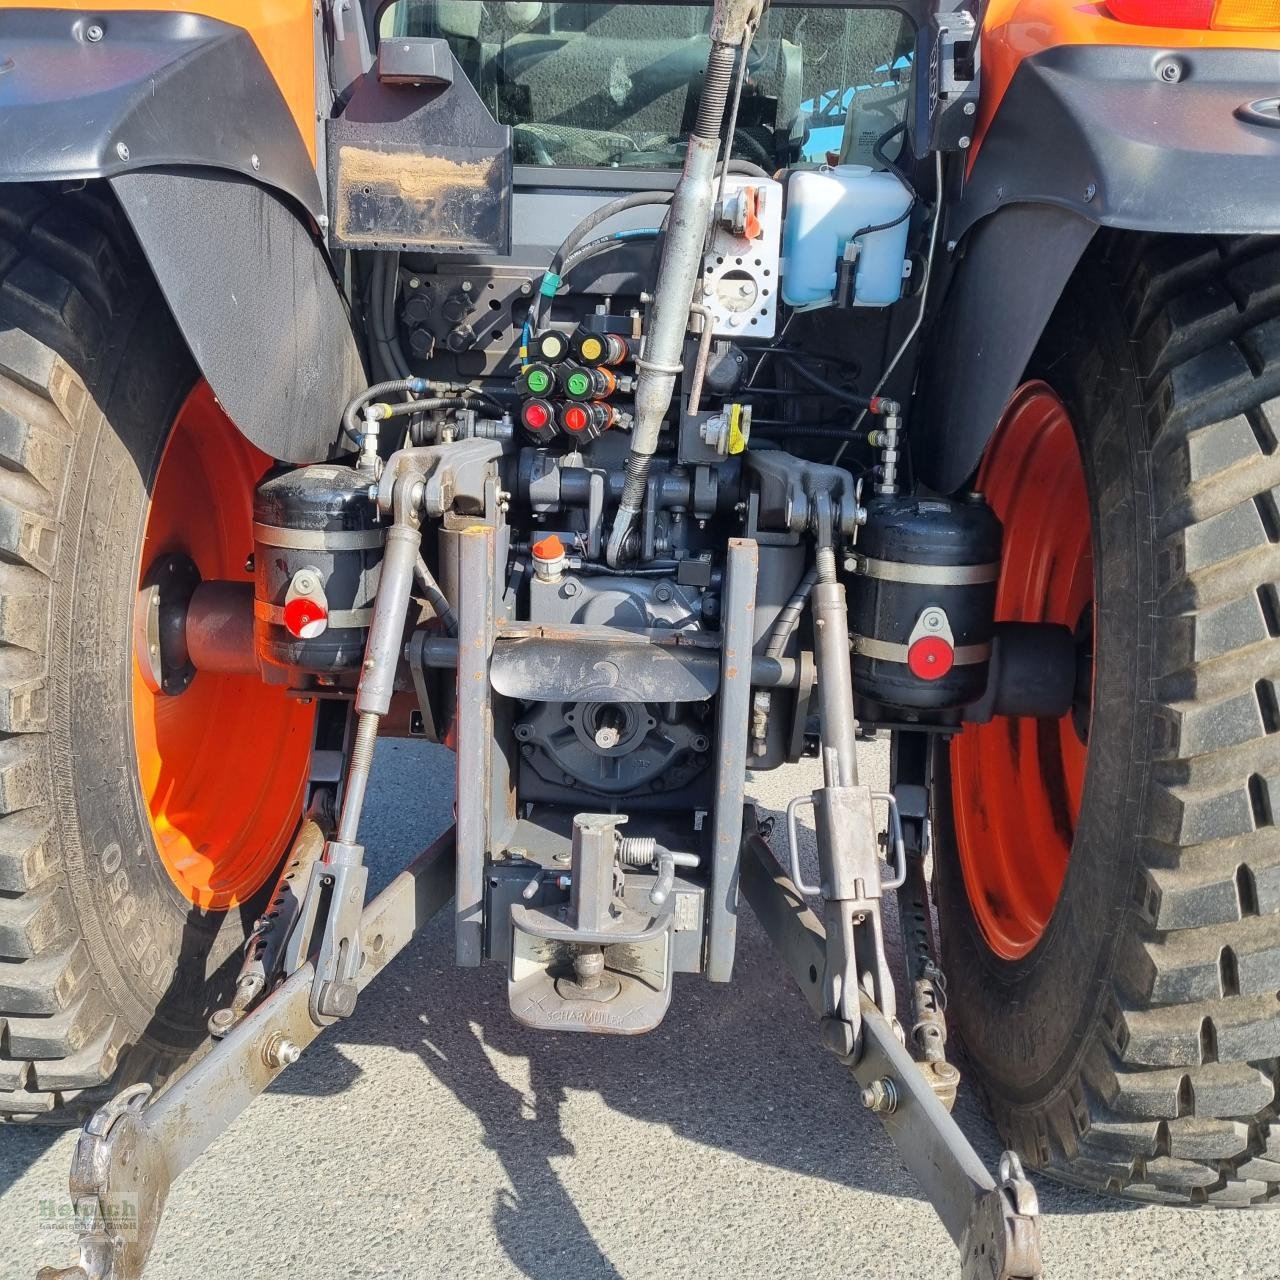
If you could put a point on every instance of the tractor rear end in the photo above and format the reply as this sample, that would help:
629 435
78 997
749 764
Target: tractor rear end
629 397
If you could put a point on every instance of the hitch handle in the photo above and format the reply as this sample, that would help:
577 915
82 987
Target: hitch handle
897 844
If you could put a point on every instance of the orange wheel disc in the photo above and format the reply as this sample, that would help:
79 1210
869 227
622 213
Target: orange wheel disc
222 765
1017 783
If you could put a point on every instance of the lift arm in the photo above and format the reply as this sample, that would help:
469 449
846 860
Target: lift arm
995 1226
131 1150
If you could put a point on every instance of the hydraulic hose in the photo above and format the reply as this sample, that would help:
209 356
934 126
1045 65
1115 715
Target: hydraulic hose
772 428
411 386
678 272
785 623
827 388
594 247
435 597
388 315
779 636
551 280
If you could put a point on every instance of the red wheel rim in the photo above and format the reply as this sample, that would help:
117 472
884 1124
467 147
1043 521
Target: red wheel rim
1017 783
222 766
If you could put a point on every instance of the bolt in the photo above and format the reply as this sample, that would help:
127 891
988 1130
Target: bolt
964 143
562 858
223 1018
122 151
588 965
323 222
970 108
526 289
663 593
881 1095
1171 71
570 589
1090 191
280 1051
414 282
257 164
93 33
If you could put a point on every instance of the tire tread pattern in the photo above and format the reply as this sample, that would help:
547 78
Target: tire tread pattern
68 273
1176 1099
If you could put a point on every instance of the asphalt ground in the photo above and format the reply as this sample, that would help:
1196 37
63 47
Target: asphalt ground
431 1136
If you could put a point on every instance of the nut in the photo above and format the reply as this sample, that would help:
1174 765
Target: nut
881 1095
280 1051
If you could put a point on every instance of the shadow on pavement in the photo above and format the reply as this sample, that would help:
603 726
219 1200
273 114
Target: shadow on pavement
738 1068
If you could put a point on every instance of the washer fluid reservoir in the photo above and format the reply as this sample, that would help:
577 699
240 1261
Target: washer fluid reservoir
825 209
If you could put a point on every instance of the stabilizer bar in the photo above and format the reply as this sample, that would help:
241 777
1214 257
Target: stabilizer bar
131 1150
995 1226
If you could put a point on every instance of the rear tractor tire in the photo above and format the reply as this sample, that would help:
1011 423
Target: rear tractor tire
1109 884
138 830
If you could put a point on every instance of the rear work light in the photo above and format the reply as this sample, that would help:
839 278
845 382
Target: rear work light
1217 15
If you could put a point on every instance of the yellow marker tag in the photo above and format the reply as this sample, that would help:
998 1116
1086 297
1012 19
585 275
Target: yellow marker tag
739 426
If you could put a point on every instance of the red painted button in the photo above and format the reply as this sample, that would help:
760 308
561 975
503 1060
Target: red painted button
305 618
930 658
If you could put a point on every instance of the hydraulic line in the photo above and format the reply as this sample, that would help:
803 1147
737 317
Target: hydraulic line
388 317
775 426
594 247
678 269
789 616
779 636
435 597
827 388
412 386
924 298
551 279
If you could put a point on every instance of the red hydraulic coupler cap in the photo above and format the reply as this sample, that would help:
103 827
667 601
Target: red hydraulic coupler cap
536 414
548 548
575 418
930 658
305 619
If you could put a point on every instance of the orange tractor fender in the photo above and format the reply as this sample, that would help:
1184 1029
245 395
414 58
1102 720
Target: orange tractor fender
206 120
1081 122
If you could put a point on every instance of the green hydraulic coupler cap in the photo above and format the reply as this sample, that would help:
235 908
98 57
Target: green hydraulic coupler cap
578 383
537 380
